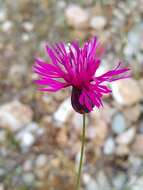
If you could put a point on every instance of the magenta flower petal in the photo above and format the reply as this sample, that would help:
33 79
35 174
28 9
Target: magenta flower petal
76 66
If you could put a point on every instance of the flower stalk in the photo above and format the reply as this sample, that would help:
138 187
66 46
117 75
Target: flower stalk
81 154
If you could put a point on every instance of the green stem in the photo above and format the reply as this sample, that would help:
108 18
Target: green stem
81 155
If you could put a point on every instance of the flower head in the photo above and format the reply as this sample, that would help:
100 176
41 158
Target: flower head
77 66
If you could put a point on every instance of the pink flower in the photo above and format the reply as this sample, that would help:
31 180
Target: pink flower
76 66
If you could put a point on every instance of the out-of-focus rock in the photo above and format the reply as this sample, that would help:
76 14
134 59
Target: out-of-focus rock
2 172
28 26
137 147
135 162
119 180
134 36
29 178
101 182
90 183
41 166
126 92
15 115
101 131
141 126
28 165
27 136
105 114
2 15
76 17
109 146
60 175
62 137
137 184
34 128
126 137
91 132
98 22
63 113
141 84
7 26
118 124
1 186
25 37
122 150
26 140
45 103
132 113
2 136
41 161
77 121
17 73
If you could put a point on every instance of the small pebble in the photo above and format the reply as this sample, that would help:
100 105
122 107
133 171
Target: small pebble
109 146
118 124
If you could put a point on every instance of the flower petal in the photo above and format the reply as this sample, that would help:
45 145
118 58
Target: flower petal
113 74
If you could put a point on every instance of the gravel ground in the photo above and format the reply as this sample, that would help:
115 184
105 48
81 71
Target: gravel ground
39 132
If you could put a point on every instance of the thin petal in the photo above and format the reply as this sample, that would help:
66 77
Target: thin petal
114 74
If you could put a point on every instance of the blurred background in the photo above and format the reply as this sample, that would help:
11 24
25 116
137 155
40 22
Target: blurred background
40 133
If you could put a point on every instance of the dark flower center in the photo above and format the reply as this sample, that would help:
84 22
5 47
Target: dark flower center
76 92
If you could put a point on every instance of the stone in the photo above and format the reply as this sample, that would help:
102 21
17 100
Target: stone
137 146
15 115
132 113
34 128
91 132
126 92
122 150
29 178
2 172
4 152
25 37
17 72
141 126
141 84
103 181
28 26
2 136
105 114
134 36
109 146
62 138
41 161
28 165
119 180
27 136
41 166
26 140
90 183
135 163
63 112
77 121
98 22
76 17
101 131
2 186
2 15
137 184
127 137
7 26
118 124
45 103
